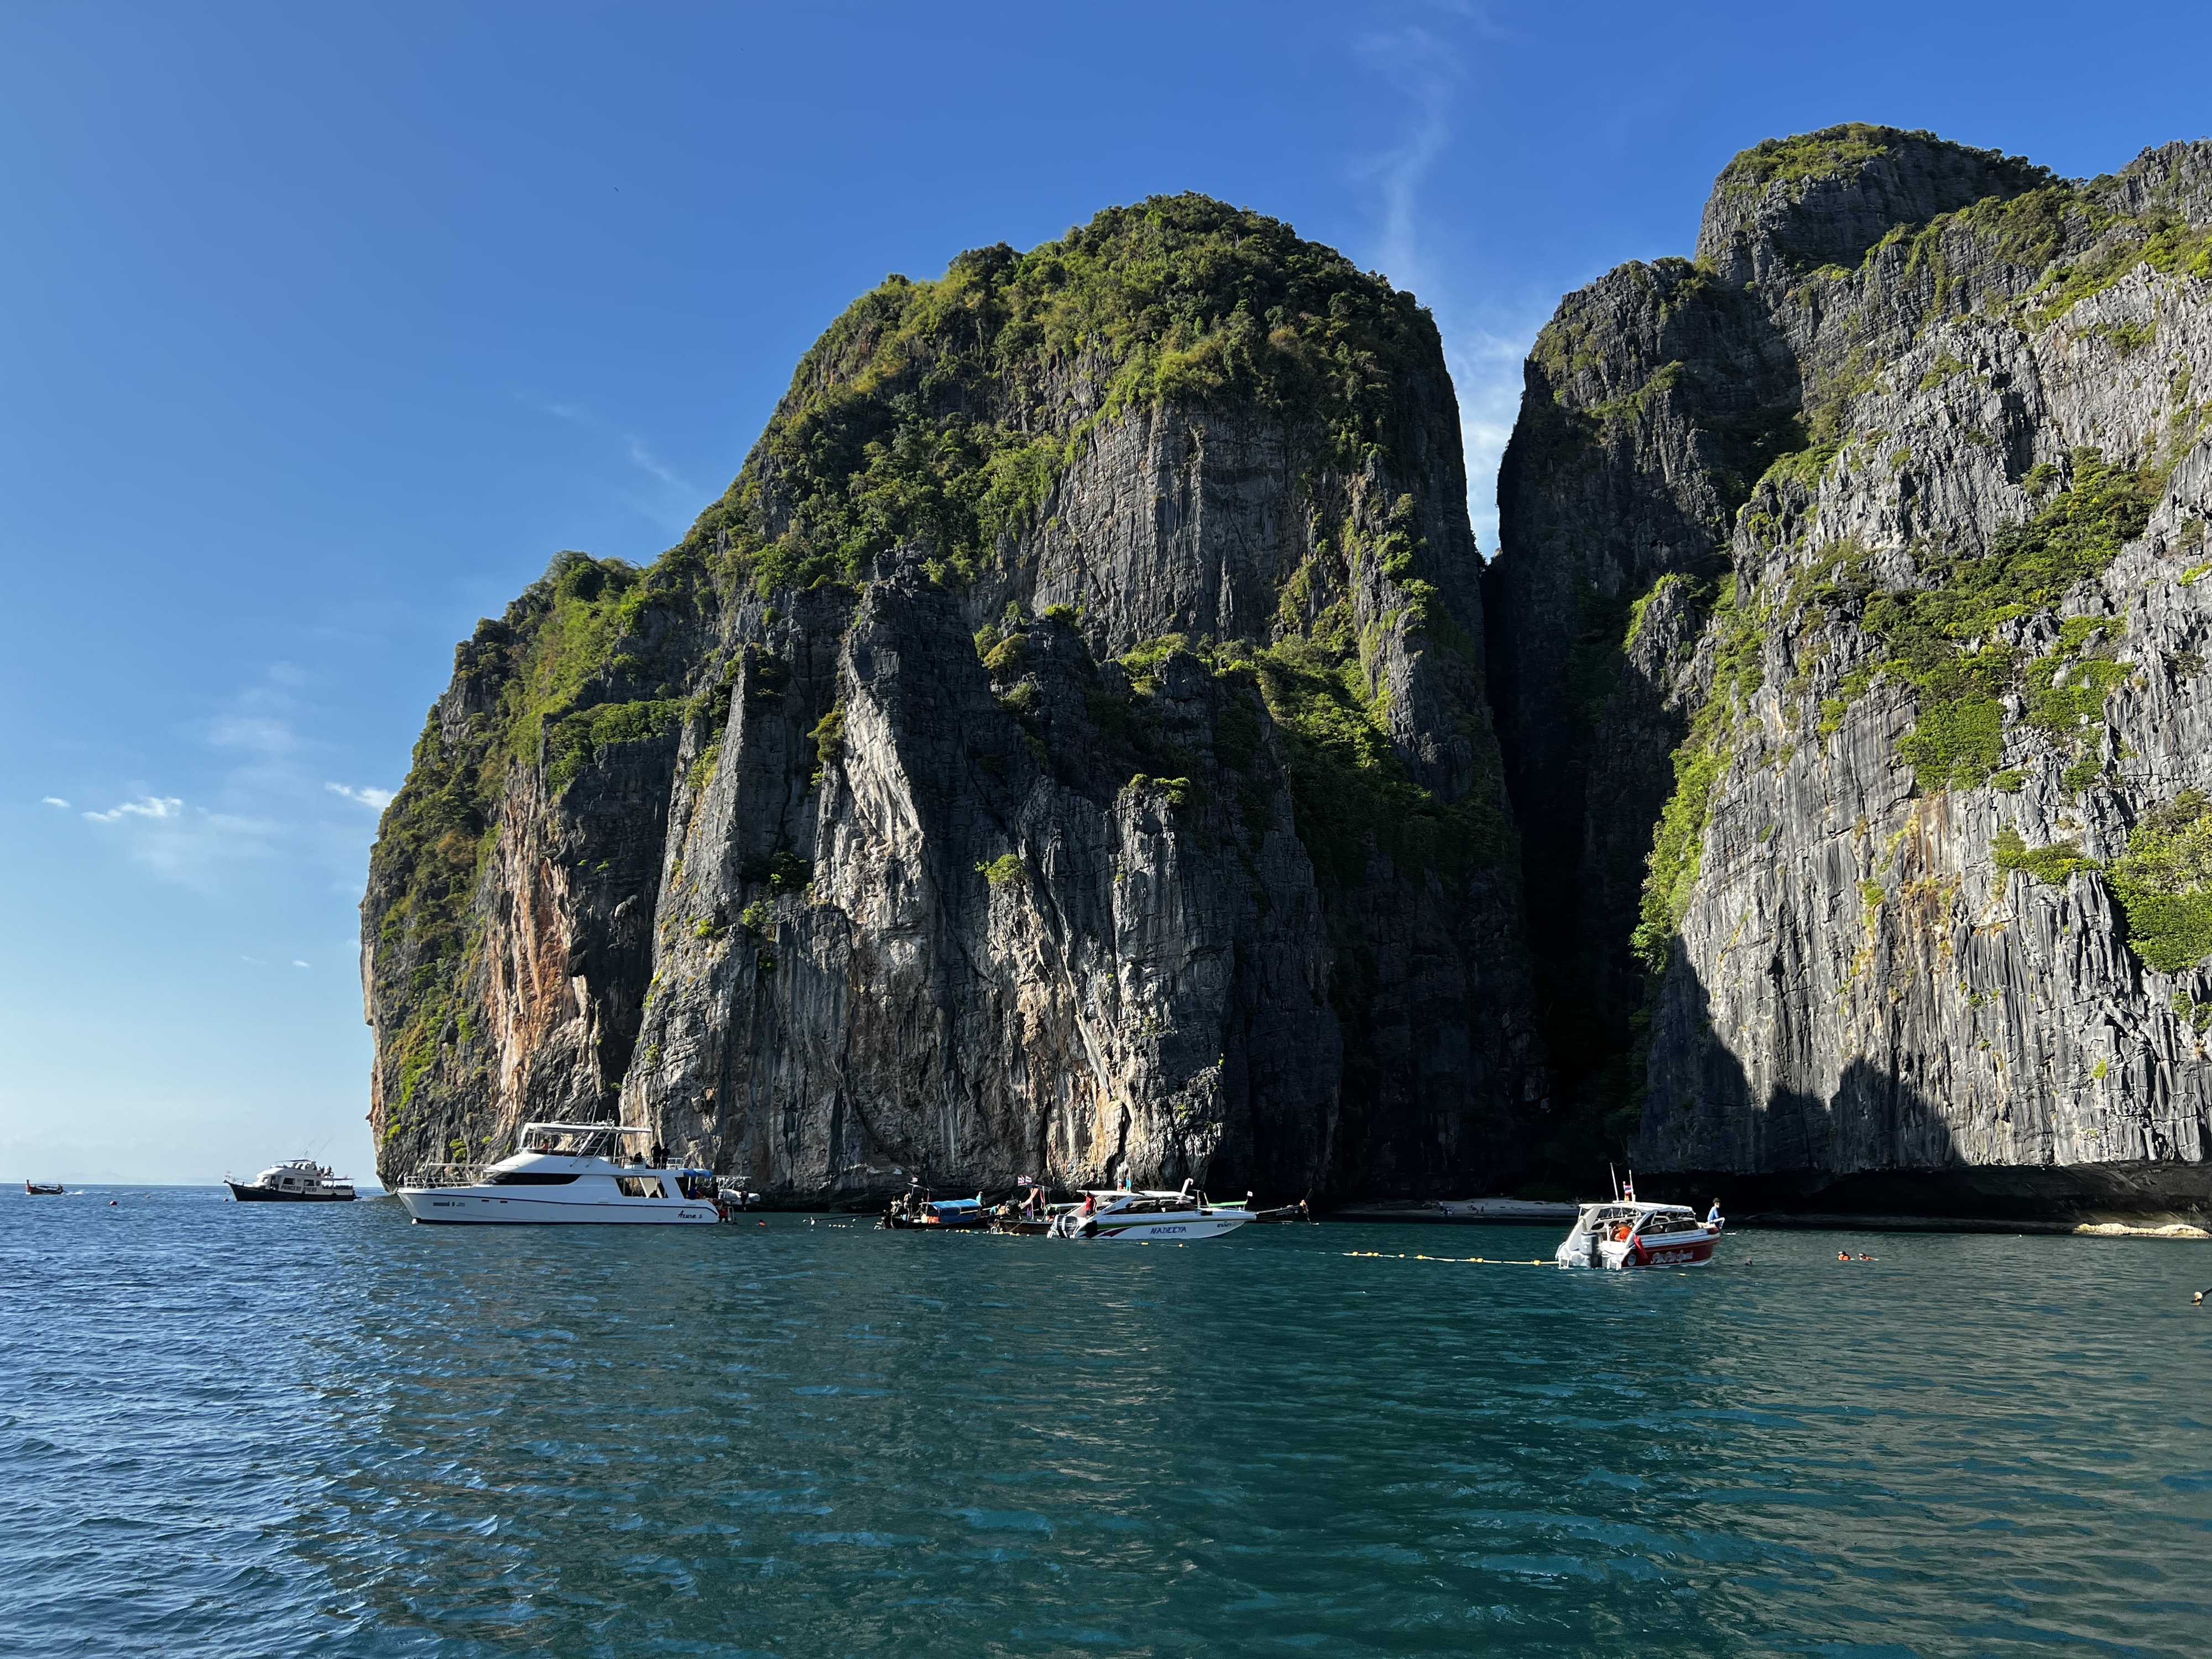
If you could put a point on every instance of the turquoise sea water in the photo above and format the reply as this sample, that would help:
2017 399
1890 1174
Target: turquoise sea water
269 1429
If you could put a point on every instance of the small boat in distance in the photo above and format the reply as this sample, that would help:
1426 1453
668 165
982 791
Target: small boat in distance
43 1188
296 1181
1627 1234
568 1173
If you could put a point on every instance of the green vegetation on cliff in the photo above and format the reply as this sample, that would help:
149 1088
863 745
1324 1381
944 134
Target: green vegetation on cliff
1679 838
531 688
2164 884
2163 880
1349 788
943 412
1943 636
1831 153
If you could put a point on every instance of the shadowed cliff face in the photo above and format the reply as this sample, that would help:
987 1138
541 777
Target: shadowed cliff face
1847 650
1063 749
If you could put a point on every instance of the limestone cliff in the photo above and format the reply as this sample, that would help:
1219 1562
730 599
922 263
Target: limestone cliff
1848 655
1062 749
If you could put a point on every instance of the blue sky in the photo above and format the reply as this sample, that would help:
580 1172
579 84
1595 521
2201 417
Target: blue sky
326 326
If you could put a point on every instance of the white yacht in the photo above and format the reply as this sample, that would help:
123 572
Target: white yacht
1138 1217
563 1172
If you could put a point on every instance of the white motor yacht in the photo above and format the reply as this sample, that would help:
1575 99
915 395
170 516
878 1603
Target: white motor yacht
1139 1217
1626 1234
562 1173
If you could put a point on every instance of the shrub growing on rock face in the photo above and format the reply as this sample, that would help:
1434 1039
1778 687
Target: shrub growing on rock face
2052 865
1941 635
2163 883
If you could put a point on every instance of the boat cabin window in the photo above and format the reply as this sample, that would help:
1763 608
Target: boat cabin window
527 1178
639 1185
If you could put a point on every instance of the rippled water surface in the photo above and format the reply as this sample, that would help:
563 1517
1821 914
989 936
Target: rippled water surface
268 1429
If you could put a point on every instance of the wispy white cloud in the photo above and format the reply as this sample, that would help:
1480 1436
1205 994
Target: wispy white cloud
675 500
1422 63
186 844
146 807
296 962
369 796
261 734
1487 370
51 800
253 799
1423 70
643 460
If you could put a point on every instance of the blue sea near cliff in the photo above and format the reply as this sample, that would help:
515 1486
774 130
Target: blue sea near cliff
268 1430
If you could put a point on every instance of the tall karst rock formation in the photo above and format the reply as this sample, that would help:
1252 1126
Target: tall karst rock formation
1063 749
1861 556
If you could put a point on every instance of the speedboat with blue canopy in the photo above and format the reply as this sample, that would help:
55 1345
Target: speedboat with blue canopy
919 1210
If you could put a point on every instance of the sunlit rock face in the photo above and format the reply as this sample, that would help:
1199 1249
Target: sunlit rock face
1848 651
1063 752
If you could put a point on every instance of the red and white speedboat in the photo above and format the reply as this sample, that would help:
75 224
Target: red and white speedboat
1628 1233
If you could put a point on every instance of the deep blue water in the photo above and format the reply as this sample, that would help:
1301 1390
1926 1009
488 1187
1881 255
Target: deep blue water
269 1430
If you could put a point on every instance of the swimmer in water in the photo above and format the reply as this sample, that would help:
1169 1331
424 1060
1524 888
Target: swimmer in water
1864 1256
1843 1255
2198 1300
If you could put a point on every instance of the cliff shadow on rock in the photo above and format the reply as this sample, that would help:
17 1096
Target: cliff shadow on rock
1876 1144
1932 727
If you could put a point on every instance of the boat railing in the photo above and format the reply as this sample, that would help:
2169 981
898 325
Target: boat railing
444 1174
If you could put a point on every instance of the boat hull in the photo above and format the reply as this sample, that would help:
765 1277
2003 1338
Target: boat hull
470 1207
1690 1253
1693 1250
42 1189
246 1193
980 1221
1138 1229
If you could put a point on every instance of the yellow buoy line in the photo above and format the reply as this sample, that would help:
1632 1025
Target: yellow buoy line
1487 1260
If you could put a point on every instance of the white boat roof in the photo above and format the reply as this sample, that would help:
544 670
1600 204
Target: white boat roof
589 1128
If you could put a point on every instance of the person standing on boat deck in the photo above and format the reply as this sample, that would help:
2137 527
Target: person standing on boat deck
660 1155
1713 1215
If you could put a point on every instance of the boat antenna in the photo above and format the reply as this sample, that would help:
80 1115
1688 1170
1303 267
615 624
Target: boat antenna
1614 1175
